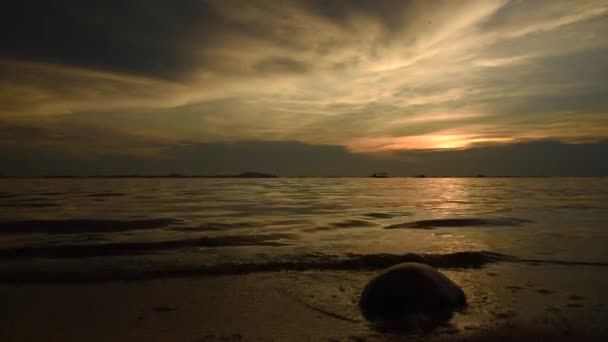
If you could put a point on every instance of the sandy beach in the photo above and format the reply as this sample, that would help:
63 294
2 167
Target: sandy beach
507 302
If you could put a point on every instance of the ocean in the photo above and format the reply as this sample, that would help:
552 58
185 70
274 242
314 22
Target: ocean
90 229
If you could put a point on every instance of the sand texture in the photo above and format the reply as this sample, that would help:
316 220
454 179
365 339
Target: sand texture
507 302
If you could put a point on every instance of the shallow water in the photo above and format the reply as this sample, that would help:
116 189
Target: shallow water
115 228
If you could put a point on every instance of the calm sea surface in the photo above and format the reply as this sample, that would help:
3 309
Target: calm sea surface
137 227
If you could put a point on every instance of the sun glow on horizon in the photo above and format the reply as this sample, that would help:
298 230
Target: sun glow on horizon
423 142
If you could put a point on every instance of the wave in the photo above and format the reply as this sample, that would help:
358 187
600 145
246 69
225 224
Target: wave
44 193
217 226
387 215
460 222
134 248
346 224
350 262
81 226
308 262
30 205
105 194
352 224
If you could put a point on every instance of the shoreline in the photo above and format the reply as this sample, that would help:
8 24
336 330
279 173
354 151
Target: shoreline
296 177
506 302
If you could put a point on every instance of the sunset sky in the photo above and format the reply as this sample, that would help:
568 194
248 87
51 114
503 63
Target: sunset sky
304 87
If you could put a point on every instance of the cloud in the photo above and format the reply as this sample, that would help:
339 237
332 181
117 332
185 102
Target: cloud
35 89
81 140
512 21
137 37
503 62
281 65
366 75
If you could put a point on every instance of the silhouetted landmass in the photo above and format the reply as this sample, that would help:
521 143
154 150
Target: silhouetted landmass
266 175
379 175
255 175
175 175
59 176
249 174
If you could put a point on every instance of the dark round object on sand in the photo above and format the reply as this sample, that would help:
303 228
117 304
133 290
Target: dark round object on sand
409 289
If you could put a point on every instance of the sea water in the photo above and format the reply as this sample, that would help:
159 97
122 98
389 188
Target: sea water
88 229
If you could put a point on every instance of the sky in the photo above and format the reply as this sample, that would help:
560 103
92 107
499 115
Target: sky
304 87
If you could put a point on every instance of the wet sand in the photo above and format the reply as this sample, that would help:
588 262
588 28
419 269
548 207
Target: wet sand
507 302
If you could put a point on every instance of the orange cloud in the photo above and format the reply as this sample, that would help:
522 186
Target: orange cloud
422 142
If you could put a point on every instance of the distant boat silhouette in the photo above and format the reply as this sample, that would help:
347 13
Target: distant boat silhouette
379 175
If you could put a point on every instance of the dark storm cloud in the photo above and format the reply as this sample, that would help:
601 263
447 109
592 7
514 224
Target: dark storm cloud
167 39
137 36
21 132
287 158
540 158
535 158
567 88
